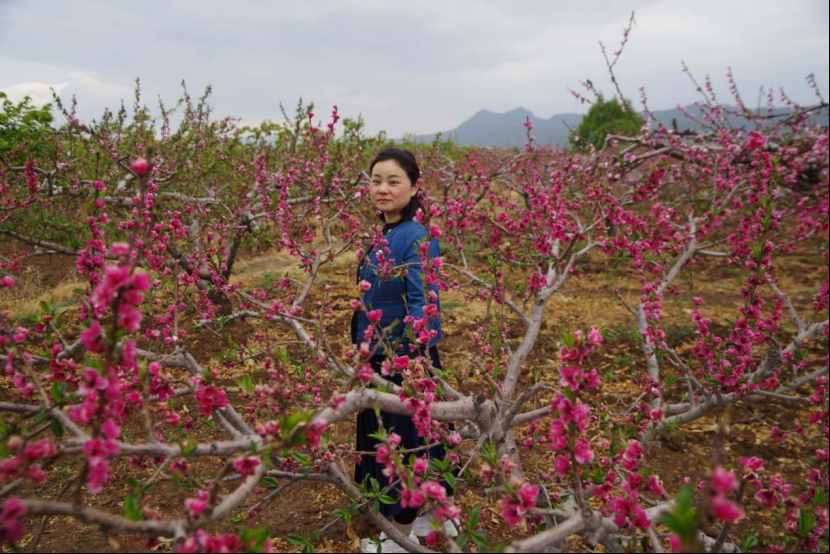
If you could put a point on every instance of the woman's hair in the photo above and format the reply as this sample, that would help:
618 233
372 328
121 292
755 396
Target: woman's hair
406 160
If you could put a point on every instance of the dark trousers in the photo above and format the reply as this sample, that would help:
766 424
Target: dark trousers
368 467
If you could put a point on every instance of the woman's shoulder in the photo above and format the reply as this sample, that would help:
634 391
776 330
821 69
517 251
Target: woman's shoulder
411 230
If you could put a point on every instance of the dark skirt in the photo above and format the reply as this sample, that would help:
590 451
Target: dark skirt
403 425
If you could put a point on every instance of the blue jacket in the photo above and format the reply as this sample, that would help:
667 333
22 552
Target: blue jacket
398 296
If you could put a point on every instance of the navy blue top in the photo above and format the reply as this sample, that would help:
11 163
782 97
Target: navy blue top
398 296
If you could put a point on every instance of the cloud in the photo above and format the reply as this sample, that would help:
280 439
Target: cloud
88 87
39 93
89 83
418 67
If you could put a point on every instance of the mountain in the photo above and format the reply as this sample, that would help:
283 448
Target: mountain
487 128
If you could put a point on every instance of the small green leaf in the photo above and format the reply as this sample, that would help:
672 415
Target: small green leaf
57 392
188 447
806 522
269 482
343 514
301 541
439 466
379 435
683 519
750 542
303 459
132 507
292 420
56 427
254 539
246 384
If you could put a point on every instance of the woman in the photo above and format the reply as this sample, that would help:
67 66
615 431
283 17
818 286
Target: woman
394 192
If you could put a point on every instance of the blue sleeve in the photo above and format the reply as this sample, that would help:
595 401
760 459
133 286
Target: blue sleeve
414 280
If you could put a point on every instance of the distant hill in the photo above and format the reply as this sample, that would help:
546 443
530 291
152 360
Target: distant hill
487 128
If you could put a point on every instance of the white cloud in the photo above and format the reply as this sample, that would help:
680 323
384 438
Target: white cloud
39 93
89 83
415 66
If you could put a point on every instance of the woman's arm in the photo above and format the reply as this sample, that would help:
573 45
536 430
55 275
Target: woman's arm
416 297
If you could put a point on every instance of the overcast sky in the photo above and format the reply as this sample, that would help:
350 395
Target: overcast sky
405 66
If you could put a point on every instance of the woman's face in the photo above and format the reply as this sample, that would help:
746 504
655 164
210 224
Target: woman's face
390 189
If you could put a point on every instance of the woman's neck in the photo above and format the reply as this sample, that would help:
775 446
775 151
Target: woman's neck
390 218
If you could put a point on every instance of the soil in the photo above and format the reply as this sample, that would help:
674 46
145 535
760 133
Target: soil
302 509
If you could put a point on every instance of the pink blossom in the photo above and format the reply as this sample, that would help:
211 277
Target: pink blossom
210 398
201 541
420 466
382 454
119 248
411 498
562 465
365 373
511 511
528 494
246 465
723 481
98 473
675 543
595 337
129 318
755 140
454 439
639 517
393 440
580 414
99 448
9 467
20 334
43 448
431 539
111 429
655 486
364 285
374 315
10 528
36 474
582 452
753 465
434 491
724 510
196 506
140 166
314 433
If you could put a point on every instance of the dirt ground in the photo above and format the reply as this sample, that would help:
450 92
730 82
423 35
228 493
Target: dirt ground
306 509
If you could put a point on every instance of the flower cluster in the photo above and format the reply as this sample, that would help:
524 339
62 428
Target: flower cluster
567 433
627 507
10 527
723 482
416 488
518 502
